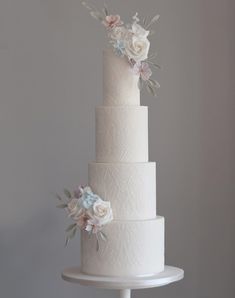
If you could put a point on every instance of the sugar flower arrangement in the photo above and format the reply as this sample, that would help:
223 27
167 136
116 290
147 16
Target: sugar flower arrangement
131 41
88 211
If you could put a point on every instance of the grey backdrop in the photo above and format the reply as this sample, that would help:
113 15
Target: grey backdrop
50 83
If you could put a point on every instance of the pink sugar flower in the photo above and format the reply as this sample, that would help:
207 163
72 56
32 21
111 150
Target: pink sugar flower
93 225
78 192
112 21
143 70
82 220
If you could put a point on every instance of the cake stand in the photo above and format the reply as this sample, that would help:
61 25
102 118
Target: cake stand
124 284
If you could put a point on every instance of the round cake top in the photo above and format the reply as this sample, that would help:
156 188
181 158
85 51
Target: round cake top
120 83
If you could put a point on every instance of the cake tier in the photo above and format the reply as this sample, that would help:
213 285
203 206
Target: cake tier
130 187
122 134
132 248
120 84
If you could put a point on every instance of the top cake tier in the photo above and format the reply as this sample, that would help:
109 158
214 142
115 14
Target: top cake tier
120 84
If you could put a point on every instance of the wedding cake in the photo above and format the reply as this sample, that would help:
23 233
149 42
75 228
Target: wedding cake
119 205
123 176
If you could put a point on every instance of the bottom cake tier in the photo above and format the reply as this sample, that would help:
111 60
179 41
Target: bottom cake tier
132 248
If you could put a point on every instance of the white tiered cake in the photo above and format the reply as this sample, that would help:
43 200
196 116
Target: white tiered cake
123 175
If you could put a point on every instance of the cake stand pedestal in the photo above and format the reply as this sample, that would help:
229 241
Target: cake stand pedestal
124 284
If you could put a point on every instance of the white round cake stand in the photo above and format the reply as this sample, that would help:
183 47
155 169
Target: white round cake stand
124 284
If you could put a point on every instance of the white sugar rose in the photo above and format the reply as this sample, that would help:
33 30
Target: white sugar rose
118 33
136 48
73 208
102 212
139 31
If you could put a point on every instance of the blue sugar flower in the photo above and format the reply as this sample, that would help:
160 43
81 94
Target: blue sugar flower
88 198
119 48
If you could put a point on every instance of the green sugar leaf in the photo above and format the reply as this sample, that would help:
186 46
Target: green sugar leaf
154 83
62 206
66 241
140 83
97 15
97 245
156 66
153 20
103 236
67 193
144 21
59 197
151 89
70 227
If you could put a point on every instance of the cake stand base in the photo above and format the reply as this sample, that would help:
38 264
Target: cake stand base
124 284
125 293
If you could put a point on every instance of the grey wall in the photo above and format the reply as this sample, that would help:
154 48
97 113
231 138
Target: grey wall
50 83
